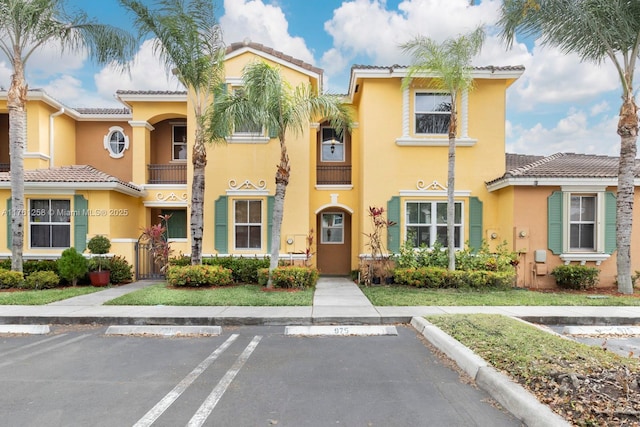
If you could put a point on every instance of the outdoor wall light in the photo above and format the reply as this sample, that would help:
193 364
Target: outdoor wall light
522 233
494 235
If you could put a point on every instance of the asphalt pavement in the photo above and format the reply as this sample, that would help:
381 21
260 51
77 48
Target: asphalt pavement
337 301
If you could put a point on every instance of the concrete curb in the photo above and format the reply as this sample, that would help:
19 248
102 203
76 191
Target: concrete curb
25 329
508 393
165 331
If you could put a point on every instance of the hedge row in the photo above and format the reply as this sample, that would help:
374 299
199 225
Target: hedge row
441 278
290 277
243 270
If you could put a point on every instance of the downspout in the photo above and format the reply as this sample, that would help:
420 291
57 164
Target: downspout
51 134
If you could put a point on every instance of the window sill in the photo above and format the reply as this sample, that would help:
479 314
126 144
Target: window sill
242 139
426 141
583 258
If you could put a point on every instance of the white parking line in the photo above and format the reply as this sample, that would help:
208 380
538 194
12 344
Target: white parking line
33 344
212 400
171 397
44 350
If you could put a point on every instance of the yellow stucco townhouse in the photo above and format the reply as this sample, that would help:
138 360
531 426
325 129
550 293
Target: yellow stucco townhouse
114 171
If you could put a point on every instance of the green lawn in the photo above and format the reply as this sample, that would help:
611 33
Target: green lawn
241 295
44 296
410 296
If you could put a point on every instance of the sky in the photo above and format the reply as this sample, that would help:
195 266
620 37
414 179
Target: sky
560 104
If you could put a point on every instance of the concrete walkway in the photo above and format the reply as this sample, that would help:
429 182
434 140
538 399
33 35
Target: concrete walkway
336 300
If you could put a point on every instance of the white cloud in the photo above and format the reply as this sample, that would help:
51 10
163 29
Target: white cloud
146 72
262 23
575 132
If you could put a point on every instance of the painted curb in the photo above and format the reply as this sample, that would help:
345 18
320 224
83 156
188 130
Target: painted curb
165 331
511 395
25 329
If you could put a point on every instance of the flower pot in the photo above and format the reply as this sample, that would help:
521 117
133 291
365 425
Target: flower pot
99 278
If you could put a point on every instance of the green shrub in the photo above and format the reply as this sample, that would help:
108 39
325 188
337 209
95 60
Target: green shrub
72 265
198 275
31 266
263 276
41 280
574 276
244 270
181 260
121 270
99 245
437 277
10 279
294 277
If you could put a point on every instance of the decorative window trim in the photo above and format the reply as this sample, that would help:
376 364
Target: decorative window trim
107 142
428 140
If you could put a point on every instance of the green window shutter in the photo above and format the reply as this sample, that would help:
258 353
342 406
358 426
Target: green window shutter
270 202
609 222
221 238
554 222
177 224
9 223
393 232
475 223
80 222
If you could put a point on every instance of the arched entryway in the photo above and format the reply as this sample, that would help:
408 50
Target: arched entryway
334 242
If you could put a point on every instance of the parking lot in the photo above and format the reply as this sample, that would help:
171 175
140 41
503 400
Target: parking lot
246 376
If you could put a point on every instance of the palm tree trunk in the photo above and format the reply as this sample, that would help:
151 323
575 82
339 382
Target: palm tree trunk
16 102
451 181
628 131
197 196
282 180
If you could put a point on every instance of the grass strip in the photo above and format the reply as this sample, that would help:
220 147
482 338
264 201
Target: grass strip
44 296
396 295
587 385
238 295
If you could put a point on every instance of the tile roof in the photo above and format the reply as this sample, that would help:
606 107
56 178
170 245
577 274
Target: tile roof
69 174
151 92
396 66
262 48
103 111
561 166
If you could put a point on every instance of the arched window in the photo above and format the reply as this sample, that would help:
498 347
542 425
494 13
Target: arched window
116 142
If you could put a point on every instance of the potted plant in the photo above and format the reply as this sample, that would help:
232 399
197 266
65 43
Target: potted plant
98 266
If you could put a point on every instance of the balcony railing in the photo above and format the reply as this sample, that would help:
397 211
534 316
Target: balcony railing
334 175
168 174
5 167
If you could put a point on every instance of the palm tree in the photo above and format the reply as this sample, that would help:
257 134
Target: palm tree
596 30
27 26
269 102
189 41
446 66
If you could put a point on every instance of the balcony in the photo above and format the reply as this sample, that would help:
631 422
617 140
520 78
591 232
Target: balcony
333 175
167 174
5 167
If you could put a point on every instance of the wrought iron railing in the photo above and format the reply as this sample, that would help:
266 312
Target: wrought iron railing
5 167
333 175
168 174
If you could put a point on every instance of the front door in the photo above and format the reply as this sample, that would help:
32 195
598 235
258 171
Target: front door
334 242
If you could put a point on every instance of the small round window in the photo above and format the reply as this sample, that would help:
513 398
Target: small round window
116 142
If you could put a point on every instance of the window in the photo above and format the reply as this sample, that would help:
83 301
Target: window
332 146
177 223
179 142
432 113
332 228
245 128
50 223
426 223
248 224
116 142
582 223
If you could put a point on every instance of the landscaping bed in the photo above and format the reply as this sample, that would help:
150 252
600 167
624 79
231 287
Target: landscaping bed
586 385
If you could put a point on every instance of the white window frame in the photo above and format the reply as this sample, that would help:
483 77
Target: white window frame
433 226
107 142
336 142
324 238
429 112
36 212
248 225
247 137
569 255
175 143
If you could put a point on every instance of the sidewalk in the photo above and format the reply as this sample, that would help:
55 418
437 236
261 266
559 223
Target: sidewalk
336 301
